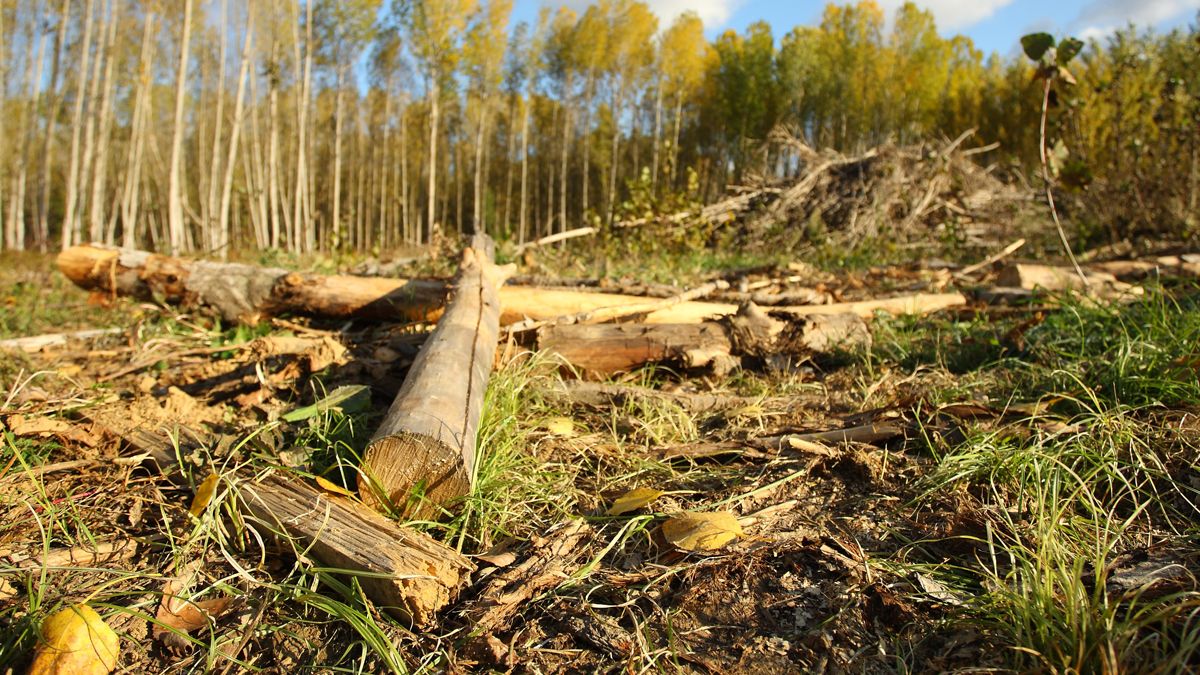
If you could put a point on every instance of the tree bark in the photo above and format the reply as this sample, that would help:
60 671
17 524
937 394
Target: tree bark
406 573
175 224
605 349
68 223
423 454
248 292
96 214
223 238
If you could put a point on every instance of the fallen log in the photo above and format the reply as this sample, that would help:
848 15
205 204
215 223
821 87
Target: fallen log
36 343
405 572
718 345
423 454
1031 277
248 293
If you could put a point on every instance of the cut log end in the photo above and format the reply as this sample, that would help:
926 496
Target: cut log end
411 473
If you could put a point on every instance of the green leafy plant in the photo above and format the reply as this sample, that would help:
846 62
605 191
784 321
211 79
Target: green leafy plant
1052 63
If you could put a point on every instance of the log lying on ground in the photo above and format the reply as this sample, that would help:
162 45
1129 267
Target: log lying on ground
423 453
403 571
717 345
1186 265
1030 277
248 293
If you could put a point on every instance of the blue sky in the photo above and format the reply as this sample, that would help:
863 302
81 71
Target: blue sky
995 25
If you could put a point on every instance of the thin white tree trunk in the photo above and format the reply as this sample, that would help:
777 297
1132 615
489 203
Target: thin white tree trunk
525 169
212 204
175 223
96 214
130 201
338 112
433 143
223 238
68 223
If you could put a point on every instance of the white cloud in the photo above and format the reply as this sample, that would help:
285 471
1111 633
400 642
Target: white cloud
714 13
952 15
1101 17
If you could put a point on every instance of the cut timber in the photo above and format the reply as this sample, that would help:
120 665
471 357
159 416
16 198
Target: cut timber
423 454
403 571
626 312
248 293
1031 277
36 343
719 345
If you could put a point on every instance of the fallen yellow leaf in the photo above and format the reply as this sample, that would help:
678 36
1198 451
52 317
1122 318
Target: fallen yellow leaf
76 641
177 613
561 426
329 486
706 531
204 495
634 500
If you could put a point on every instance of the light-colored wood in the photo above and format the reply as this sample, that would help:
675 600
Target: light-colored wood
250 293
404 572
35 343
423 453
605 314
718 345
1030 276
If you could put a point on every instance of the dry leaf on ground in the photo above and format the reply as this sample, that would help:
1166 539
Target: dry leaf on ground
204 495
560 426
634 500
702 531
177 613
26 427
76 641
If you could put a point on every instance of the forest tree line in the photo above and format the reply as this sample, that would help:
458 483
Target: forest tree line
219 125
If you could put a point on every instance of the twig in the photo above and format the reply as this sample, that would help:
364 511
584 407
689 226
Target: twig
1049 188
1000 255
557 237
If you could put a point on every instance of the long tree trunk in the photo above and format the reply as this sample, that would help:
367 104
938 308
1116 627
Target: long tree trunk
524 168
212 203
434 86
131 191
96 213
675 141
68 221
29 129
338 108
477 215
301 213
610 207
273 178
44 186
223 238
658 108
562 181
175 222
93 119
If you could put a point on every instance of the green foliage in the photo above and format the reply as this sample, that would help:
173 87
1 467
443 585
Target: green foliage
1037 44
